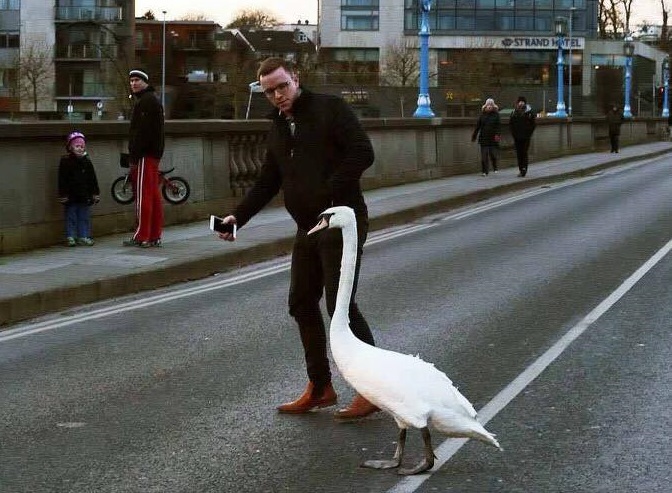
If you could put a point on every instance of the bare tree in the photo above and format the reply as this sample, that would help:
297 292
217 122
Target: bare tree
36 75
610 23
194 16
253 18
148 16
401 65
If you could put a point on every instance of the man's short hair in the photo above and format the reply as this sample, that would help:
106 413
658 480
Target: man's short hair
272 64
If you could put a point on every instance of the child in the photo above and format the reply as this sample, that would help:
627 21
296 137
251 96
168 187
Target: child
77 190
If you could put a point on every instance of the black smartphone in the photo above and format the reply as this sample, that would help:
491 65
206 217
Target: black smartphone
217 225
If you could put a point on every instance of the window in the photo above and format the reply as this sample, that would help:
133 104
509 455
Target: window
524 21
360 3
10 4
505 22
485 21
465 20
9 40
543 22
359 21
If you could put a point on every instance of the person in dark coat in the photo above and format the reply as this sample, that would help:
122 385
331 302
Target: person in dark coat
614 122
488 132
316 153
77 190
522 123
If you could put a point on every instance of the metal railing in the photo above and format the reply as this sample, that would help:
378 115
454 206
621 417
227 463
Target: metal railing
86 51
104 14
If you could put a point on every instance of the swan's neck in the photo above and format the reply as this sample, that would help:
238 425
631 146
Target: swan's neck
348 265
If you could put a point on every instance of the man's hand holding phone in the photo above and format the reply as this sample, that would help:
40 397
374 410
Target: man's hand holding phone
226 228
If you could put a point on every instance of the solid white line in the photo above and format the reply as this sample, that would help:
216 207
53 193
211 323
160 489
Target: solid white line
450 447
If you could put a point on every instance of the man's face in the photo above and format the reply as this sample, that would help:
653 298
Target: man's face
521 105
137 84
281 88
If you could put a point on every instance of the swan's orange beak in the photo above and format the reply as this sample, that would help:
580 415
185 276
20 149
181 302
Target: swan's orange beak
323 224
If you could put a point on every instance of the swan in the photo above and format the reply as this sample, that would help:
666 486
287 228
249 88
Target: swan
413 391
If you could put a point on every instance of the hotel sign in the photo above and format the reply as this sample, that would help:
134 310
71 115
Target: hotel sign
539 43
507 42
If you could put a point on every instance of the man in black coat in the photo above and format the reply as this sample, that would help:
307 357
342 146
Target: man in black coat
522 123
316 153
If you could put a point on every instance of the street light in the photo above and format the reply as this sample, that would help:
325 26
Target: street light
254 87
424 109
666 87
560 28
569 95
628 51
163 64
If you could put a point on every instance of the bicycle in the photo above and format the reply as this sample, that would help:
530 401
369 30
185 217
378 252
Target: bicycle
175 189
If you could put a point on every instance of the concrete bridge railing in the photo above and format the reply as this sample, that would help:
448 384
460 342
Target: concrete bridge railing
221 159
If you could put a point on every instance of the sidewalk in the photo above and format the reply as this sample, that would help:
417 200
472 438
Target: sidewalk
52 279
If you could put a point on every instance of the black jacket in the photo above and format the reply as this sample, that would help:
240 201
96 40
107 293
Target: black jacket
522 123
145 137
488 129
77 179
319 167
614 121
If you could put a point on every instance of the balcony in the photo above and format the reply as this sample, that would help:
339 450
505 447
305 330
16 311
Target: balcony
97 14
79 52
84 91
193 44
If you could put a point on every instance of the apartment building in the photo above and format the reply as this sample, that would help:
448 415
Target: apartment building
65 58
482 48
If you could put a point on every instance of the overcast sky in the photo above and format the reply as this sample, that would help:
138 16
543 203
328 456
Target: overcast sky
289 11
223 11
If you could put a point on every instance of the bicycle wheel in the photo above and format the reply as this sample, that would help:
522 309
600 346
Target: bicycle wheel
175 190
122 190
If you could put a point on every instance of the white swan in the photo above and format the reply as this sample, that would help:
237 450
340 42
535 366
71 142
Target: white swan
413 391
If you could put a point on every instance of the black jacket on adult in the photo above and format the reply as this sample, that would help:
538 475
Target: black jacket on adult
77 179
488 129
145 137
614 121
522 123
319 167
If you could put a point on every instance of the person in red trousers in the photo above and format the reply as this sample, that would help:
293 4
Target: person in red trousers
145 149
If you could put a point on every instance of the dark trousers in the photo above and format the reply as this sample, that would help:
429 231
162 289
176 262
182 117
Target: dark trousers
613 139
488 155
522 150
316 267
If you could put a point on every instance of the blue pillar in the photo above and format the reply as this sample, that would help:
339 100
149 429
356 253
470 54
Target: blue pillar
628 49
666 87
560 107
424 109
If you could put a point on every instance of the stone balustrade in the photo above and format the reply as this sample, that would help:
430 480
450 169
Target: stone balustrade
221 159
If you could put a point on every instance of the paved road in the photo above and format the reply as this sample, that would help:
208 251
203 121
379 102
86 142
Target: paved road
177 392
53 279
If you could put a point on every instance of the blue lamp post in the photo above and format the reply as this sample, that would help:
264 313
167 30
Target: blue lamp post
424 109
628 51
560 27
666 87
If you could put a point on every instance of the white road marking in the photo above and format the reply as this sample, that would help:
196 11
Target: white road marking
39 327
450 446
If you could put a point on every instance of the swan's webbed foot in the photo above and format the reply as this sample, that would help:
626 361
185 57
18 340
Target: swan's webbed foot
428 462
425 465
395 461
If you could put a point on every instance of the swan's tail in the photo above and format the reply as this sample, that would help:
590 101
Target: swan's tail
460 426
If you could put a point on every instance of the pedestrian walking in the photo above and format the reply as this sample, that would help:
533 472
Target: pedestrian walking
77 190
488 133
614 122
317 151
522 123
145 149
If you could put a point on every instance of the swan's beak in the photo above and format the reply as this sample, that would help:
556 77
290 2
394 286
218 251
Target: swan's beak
323 224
